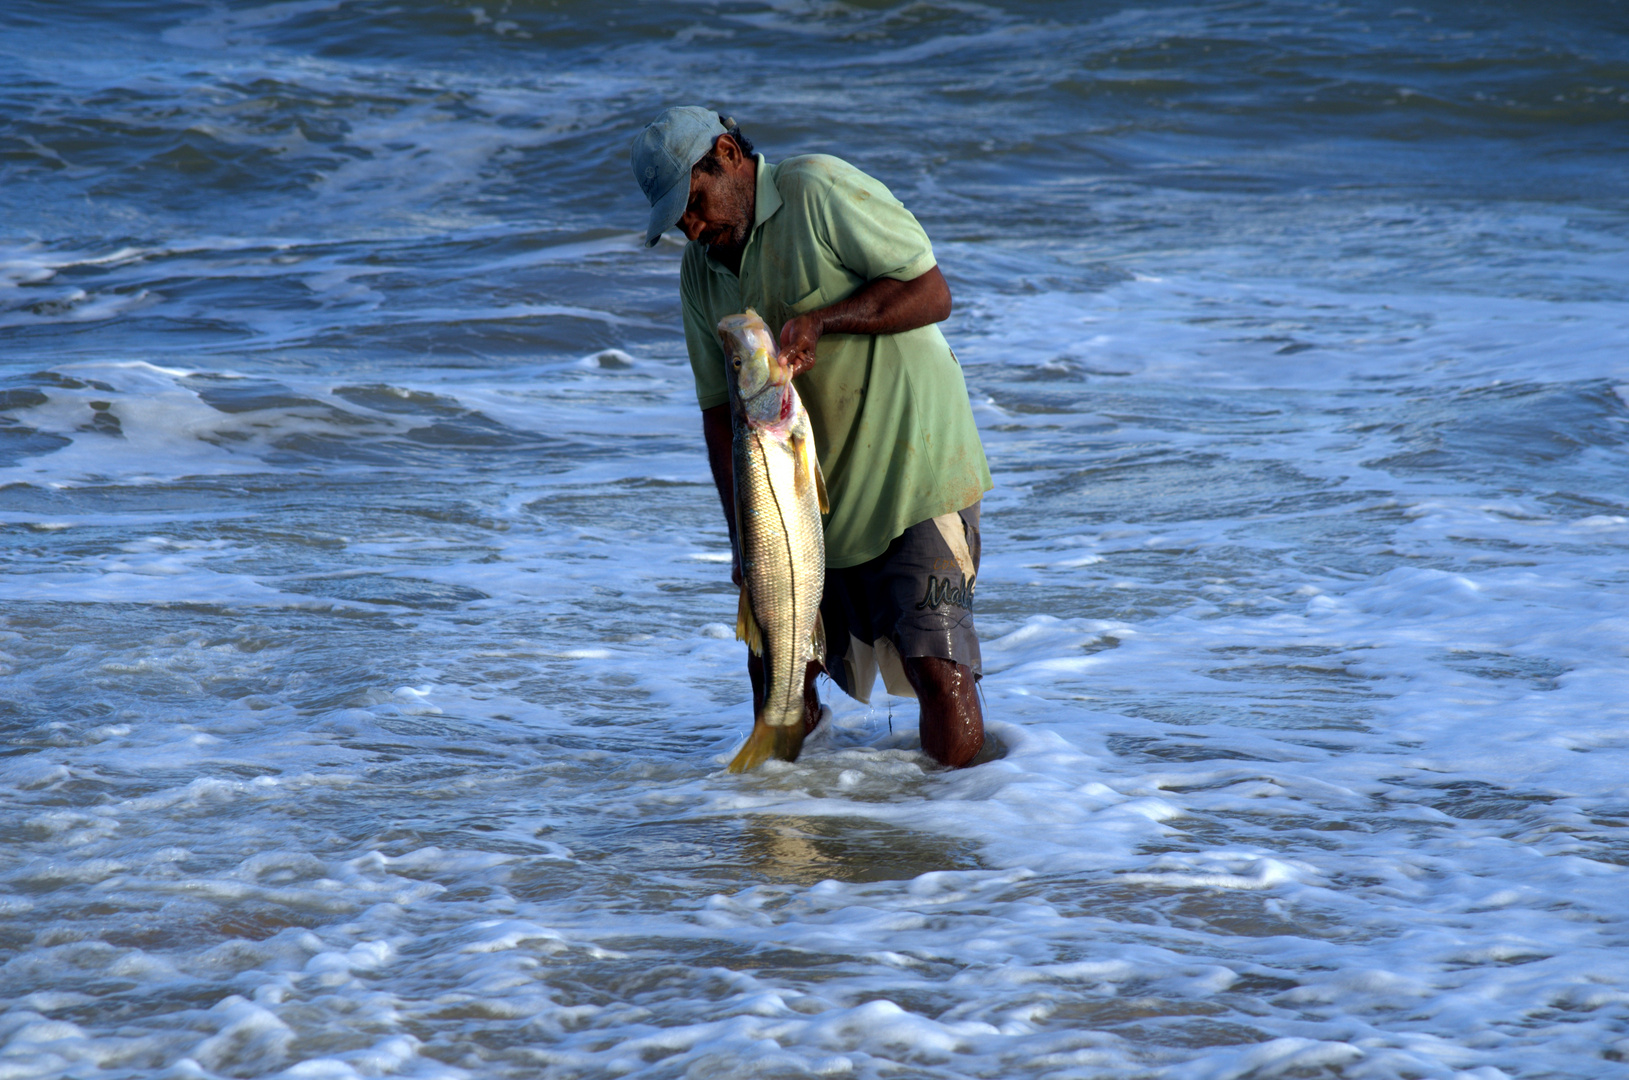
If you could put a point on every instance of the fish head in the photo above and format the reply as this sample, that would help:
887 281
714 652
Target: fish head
760 383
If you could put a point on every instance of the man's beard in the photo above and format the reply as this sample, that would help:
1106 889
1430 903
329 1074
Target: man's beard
734 236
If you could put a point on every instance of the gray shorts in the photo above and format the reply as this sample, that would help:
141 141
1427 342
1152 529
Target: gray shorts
915 599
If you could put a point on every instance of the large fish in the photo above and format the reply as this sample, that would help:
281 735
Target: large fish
779 497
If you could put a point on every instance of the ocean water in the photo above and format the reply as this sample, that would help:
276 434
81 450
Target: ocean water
366 659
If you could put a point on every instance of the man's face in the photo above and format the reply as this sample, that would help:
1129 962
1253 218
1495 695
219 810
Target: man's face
719 213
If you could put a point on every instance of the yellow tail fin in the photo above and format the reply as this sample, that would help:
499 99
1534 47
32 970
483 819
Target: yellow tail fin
768 741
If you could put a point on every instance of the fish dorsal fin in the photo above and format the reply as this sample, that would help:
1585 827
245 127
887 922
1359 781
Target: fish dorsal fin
746 626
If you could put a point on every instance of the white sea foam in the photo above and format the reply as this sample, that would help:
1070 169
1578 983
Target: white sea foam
1385 855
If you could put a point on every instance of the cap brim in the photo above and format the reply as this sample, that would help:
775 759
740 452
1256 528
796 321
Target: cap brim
667 211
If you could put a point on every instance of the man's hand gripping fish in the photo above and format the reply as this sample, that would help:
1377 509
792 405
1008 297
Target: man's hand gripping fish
779 497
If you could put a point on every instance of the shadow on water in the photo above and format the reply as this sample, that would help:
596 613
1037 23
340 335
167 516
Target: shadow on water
742 852
803 850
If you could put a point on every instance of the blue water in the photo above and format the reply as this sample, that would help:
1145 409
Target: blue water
366 662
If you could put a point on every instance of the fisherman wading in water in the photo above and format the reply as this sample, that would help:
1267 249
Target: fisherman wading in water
846 278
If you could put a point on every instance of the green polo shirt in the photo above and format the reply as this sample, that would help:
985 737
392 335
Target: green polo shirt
892 422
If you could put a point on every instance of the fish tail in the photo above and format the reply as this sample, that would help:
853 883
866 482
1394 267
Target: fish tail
769 741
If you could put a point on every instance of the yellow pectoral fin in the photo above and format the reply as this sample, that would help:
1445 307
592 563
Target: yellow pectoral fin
800 466
746 626
817 640
820 488
808 471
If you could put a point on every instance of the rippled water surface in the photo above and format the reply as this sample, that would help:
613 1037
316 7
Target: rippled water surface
366 667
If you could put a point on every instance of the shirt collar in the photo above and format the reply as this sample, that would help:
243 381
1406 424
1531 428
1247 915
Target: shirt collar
768 197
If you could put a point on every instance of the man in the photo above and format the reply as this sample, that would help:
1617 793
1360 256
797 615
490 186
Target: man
843 273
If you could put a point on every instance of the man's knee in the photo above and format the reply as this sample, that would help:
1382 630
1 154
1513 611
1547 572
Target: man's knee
941 678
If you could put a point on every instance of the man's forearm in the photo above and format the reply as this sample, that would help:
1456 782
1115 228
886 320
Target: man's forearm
715 430
880 306
886 306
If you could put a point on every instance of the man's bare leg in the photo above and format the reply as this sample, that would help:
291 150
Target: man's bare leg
952 721
811 696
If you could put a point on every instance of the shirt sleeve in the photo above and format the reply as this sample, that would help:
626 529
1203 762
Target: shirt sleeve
701 339
871 232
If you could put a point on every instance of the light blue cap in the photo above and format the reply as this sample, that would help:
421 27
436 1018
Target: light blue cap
663 155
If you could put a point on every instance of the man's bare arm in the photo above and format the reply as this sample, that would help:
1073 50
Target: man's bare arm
715 430
881 306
